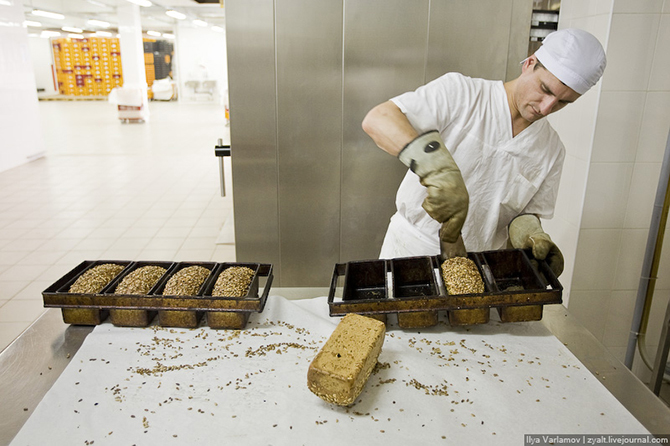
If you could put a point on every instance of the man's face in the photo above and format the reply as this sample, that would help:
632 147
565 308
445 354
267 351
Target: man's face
540 93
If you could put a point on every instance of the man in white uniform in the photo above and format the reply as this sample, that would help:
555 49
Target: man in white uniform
482 160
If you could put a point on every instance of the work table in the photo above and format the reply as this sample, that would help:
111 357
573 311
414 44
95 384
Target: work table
34 362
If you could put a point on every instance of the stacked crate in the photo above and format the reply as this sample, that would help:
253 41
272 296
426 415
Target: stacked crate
87 67
149 64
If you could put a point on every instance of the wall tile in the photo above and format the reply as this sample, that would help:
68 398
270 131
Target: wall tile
606 195
630 50
588 308
642 195
663 282
638 6
618 318
655 128
596 259
577 123
597 24
630 258
618 126
660 77
659 306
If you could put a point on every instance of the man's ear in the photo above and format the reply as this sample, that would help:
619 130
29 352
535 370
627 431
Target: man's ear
529 63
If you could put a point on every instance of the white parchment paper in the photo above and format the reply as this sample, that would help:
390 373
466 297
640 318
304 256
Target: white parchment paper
487 384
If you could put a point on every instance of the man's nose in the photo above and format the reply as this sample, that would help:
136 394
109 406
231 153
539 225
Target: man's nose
547 105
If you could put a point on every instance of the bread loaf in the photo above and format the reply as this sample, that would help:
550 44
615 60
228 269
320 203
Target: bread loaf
340 370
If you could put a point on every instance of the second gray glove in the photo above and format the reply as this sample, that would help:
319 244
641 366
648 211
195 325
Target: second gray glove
448 199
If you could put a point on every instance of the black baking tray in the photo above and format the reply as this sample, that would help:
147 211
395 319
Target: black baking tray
512 278
58 296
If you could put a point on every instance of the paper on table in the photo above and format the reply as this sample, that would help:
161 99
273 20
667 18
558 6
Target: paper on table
487 384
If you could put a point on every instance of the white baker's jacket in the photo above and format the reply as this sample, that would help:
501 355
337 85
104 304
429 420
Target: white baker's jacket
505 176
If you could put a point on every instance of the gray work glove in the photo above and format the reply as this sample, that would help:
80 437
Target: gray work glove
525 232
447 200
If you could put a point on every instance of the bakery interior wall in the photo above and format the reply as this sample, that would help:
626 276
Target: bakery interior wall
20 125
311 189
615 138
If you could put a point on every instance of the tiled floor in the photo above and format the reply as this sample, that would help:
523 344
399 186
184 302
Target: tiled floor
107 190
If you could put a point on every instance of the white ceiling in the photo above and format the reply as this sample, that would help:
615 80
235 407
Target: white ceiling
77 12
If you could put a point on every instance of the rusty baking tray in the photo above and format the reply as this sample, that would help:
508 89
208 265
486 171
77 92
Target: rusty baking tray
174 311
514 284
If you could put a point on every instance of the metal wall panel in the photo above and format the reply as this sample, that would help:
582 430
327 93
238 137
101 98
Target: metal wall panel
384 54
470 37
522 12
310 187
253 130
309 135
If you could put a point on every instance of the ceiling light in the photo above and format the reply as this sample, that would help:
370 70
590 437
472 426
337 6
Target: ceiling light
31 23
51 15
99 23
75 36
47 34
198 22
145 3
168 35
93 2
175 14
5 3
72 29
217 29
154 33
103 34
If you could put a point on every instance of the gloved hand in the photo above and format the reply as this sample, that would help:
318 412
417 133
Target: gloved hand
525 231
447 200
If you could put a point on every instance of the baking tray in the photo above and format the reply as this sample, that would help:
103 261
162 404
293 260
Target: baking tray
173 311
514 283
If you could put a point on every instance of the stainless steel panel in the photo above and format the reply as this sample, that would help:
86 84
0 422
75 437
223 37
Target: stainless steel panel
469 37
310 188
309 136
384 55
522 11
253 129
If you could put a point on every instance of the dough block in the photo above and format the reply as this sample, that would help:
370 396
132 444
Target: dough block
340 370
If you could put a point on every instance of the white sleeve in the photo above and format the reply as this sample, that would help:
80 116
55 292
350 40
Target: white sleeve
430 106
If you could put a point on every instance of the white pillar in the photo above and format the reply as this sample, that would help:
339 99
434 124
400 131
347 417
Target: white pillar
20 124
132 51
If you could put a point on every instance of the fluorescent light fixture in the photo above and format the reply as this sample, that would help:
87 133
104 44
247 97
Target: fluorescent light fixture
5 3
217 29
145 3
154 33
103 34
93 2
51 15
31 23
99 23
72 29
168 35
175 14
46 34
198 22
75 36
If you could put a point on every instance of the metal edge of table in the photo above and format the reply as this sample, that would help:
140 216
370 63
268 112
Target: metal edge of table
31 364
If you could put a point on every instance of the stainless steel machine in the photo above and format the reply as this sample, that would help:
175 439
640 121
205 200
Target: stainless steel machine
310 187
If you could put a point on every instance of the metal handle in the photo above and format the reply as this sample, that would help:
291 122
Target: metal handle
220 151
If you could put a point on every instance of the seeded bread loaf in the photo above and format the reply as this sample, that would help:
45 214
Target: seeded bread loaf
340 370
461 276
95 279
233 282
186 281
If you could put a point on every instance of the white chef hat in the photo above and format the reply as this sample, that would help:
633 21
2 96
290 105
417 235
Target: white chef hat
574 56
